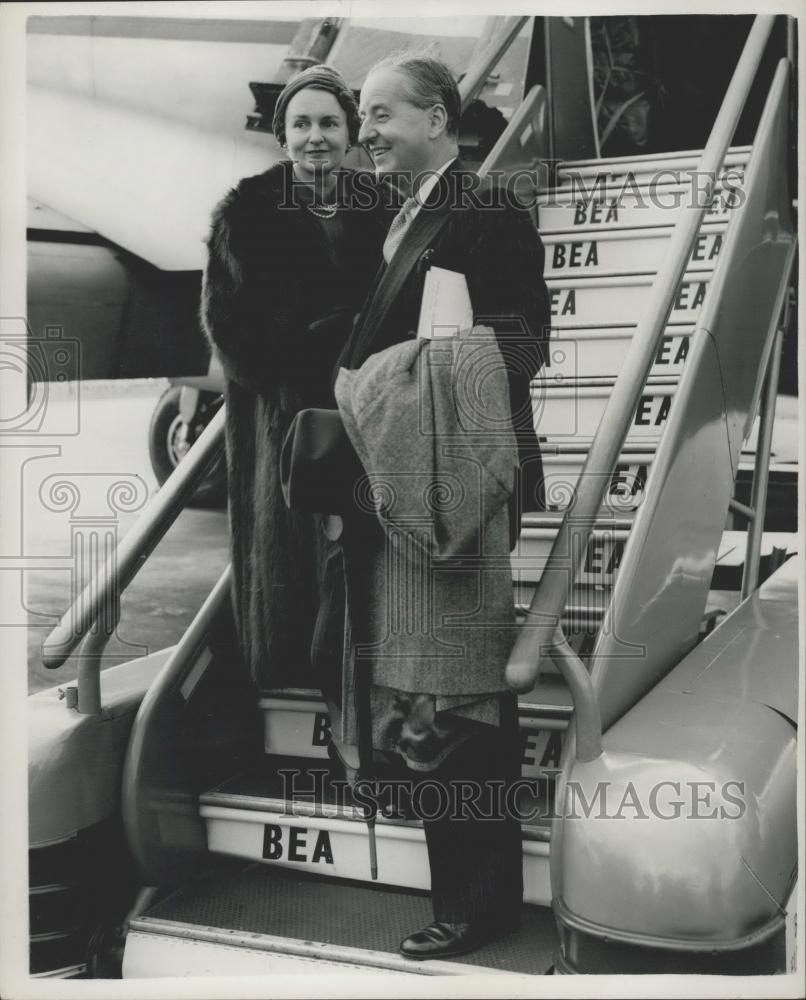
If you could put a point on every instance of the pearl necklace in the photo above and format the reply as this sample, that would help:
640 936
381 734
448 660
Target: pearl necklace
323 211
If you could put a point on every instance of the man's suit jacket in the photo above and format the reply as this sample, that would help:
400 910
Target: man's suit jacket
490 239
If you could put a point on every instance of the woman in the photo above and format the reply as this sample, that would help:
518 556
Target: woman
291 254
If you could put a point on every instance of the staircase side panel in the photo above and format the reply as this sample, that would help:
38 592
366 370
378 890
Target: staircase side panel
654 616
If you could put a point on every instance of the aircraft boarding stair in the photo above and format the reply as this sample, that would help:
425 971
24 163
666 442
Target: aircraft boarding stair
603 312
312 852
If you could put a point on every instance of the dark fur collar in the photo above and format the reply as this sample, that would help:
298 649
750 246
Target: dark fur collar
274 187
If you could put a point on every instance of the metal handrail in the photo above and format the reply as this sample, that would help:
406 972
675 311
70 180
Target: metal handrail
551 595
480 67
144 536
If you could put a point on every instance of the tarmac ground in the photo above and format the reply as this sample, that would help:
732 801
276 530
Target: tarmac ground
109 448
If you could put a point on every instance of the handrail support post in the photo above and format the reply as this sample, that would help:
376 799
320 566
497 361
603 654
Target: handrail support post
740 508
587 718
761 468
89 662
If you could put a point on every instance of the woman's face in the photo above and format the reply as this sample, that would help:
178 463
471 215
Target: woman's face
315 132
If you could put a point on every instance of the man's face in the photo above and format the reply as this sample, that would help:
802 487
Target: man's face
395 132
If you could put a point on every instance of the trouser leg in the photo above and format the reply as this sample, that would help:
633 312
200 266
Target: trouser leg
476 862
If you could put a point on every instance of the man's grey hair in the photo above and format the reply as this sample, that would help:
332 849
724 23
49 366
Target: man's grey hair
428 82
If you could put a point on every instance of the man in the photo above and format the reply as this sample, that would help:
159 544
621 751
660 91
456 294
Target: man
410 109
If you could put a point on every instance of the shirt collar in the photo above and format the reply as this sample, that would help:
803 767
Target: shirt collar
429 184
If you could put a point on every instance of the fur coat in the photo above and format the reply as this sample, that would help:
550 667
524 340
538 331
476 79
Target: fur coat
278 306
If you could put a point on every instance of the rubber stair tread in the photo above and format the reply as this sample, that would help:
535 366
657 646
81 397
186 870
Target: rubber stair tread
260 899
261 787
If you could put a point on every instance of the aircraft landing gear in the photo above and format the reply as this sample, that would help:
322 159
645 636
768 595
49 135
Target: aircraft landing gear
176 423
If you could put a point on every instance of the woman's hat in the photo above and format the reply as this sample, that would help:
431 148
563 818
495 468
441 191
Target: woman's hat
321 78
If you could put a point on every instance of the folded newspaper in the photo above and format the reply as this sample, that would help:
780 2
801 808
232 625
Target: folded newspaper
445 309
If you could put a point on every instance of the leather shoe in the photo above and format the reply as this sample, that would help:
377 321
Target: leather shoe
443 940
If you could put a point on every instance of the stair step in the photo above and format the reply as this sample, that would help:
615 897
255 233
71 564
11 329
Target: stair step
603 557
296 722
625 491
564 211
566 413
599 569
248 919
599 352
620 301
252 817
562 468
672 170
625 251
622 164
157 948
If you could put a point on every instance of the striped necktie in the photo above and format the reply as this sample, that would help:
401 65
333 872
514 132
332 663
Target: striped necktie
397 230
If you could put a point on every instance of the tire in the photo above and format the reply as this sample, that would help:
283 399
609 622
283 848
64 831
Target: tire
165 449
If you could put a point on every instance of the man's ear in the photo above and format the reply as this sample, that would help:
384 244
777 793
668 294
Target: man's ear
438 121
